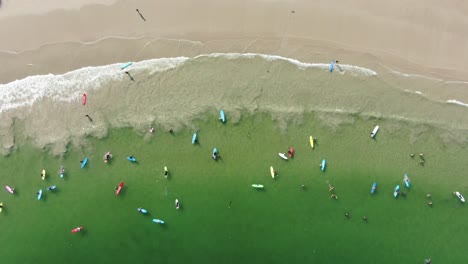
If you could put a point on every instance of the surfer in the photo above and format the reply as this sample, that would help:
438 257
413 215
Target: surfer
429 203
364 218
412 155
331 188
427 261
131 78
346 215
334 196
171 131
151 130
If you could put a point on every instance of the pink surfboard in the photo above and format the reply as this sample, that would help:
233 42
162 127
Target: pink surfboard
9 189
84 99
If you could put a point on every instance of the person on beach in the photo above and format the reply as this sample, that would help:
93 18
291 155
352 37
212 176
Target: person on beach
151 130
89 118
142 17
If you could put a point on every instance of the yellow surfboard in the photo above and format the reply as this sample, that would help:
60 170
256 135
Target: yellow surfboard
43 174
272 171
312 141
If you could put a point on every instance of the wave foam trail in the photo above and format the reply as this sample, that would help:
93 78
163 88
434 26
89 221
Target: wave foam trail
71 85
299 64
457 102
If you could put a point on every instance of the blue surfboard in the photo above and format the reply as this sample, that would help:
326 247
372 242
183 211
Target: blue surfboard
322 166
39 194
132 159
407 180
126 65
332 66
194 138
397 190
374 187
222 117
141 210
159 221
85 161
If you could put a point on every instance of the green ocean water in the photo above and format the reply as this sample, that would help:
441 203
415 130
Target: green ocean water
282 223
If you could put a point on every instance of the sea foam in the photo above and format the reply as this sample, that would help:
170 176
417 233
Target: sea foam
71 85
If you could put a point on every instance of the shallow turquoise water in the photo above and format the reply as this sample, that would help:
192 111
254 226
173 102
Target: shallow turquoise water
281 224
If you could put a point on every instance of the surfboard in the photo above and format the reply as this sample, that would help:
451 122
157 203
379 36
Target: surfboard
332 66
194 138
126 65
222 117
43 174
85 161
9 189
272 171
84 99
322 166
311 139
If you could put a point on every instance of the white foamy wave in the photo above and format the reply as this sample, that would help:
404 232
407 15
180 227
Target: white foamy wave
301 65
415 92
71 85
456 102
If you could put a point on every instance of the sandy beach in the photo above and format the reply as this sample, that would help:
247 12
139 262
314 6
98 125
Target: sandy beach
427 38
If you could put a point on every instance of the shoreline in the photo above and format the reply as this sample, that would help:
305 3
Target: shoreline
175 91
283 30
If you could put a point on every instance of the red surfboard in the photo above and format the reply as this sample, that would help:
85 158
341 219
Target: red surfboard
76 230
84 99
119 188
291 152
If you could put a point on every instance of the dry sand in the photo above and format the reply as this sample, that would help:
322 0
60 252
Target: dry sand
420 36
